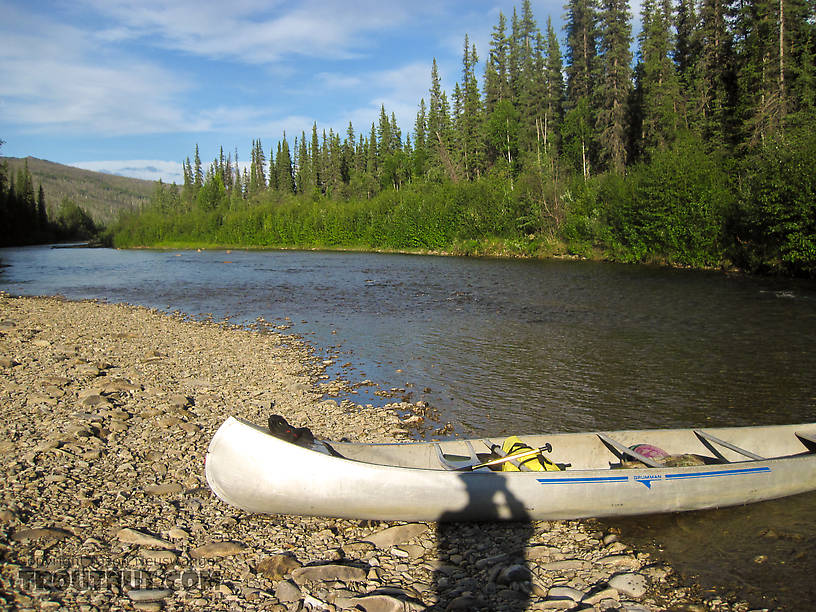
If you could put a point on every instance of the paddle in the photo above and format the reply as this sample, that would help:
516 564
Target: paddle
524 454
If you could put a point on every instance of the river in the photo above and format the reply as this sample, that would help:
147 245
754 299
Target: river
509 346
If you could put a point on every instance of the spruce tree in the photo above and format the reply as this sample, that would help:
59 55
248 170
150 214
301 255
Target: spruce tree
315 161
658 83
712 85
420 153
554 95
496 84
435 119
582 49
615 82
42 212
384 139
198 173
582 76
772 37
687 47
283 165
302 165
469 118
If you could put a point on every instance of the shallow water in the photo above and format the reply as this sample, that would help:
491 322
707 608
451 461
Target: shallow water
504 346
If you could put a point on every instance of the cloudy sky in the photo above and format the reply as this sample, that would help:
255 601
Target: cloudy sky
131 87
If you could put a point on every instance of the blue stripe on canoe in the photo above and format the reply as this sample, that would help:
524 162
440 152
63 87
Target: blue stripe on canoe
596 480
739 472
646 480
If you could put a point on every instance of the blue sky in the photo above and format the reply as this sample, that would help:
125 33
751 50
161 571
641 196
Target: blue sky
131 87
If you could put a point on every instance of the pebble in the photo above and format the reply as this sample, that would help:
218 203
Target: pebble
328 572
565 592
218 549
393 536
566 565
40 533
633 585
621 561
132 536
385 603
277 567
287 591
143 595
177 533
167 488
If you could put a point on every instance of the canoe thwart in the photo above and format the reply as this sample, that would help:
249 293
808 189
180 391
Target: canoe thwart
708 440
621 450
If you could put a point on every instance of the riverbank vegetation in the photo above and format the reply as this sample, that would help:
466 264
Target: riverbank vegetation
698 151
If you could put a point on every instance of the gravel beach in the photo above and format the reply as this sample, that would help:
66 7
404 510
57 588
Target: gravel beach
107 411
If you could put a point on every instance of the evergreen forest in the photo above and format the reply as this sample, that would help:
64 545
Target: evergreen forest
697 149
24 217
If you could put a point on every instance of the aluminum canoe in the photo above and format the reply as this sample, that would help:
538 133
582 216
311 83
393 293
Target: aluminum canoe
249 468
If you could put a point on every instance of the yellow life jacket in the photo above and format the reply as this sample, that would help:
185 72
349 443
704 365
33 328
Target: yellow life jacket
537 463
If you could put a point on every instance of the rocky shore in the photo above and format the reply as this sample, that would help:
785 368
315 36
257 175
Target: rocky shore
105 416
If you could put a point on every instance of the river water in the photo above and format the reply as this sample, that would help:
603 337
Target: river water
503 346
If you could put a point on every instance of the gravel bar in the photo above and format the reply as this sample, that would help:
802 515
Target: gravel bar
107 410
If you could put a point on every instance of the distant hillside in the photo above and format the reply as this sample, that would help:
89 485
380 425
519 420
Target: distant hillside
101 195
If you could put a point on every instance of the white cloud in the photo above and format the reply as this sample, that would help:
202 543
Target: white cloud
146 169
53 78
256 31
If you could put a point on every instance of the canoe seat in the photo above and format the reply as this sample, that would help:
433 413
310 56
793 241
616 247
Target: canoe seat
808 439
709 441
621 450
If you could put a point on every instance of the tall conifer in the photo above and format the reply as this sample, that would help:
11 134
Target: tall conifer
615 82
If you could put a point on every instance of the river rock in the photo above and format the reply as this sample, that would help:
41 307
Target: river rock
351 549
40 533
396 535
604 594
385 603
95 400
7 516
620 561
167 488
327 573
176 533
277 567
218 549
566 565
145 595
464 603
132 536
540 552
556 604
565 592
633 585
287 591
513 573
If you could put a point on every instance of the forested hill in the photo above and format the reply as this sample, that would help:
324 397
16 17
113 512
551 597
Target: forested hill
101 195
698 149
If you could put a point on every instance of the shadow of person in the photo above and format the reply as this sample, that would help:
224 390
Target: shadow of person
482 564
